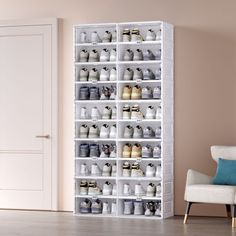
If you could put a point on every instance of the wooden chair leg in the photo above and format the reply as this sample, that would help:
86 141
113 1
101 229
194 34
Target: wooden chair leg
189 204
234 217
228 210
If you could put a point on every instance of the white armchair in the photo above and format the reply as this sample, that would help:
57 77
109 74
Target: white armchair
199 187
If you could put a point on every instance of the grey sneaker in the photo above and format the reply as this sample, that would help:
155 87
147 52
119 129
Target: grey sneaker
104 74
105 55
157 151
128 132
93 56
128 55
158 55
94 93
128 207
107 37
93 132
83 131
138 74
157 92
158 132
93 75
85 206
138 208
83 56
138 55
158 74
147 93
148 75
138 132
128 74
94 150
83 74
84 93
148 132
96 207
147 151
84 150
148 55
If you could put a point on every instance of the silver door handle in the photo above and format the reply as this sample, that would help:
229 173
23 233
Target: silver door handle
42 136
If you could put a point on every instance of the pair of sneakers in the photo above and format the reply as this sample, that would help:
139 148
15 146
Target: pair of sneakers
107 131
89 132
133 93
108 93
130 132
94 75
107 37
153 209
150 133
89 150
132 151
132 112
108 150
149 93
131 170
152 113
107 170
94 207
89 93
153 190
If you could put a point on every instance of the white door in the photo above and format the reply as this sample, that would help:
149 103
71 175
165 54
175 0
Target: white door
26 119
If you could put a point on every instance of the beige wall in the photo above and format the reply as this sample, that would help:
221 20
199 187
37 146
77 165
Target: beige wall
205 74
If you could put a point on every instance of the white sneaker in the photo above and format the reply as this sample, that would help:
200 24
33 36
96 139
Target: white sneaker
106 113
83 74
95 170
114 189
158 190
158 35
128 74
113 93
114 36
107 188
93 132
126 112
93 56
113 151
104 74
157 151
95 114
150 112
151 35
105 130
95 37
158 112
136 113
151 190
83 188
126 190
113 208
105 151
113 55
106 170
128 55
83 131
113 170
105 55
106 37
83 37
158 171
105 208
114 113
150 170
128 132
138 190
136 171
93 75
83 113
138 74
126 36
126 169
113 131
93 189
158 209
113 75
84 170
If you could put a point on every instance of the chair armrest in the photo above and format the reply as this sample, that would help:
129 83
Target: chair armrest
195 177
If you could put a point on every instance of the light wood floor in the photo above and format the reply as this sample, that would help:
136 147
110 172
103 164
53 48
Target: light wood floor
19 223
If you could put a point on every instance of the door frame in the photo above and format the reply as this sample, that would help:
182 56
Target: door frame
53 23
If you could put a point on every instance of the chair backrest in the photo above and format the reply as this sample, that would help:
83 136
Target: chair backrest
225 152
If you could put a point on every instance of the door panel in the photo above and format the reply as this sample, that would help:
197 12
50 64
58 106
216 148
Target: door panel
25 108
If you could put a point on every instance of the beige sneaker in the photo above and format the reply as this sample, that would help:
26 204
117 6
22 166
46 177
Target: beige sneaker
126 95
136 151
127 150
136 92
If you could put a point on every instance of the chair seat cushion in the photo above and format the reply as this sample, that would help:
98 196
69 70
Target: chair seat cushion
226 172
209 193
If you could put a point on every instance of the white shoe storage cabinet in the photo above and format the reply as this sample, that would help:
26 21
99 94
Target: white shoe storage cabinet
165 63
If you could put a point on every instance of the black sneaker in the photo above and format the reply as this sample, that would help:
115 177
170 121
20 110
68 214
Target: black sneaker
84 93
94 93
94 150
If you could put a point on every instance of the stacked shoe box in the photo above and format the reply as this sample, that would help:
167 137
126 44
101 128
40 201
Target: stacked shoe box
124 120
